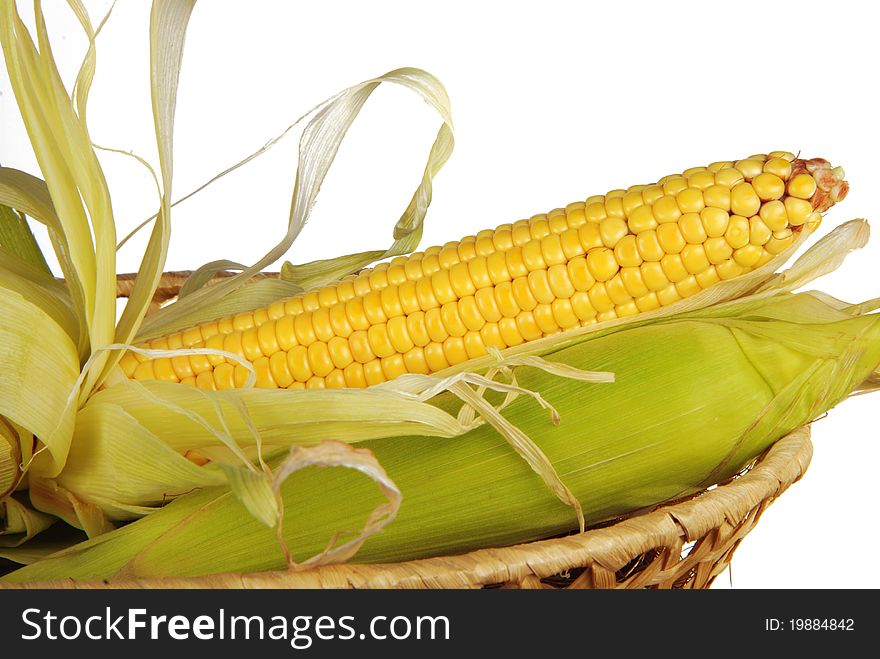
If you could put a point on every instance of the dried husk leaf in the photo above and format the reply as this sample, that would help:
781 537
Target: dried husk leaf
319 143
19 523
17 238
338 454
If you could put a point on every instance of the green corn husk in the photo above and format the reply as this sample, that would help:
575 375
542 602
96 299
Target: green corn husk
696 398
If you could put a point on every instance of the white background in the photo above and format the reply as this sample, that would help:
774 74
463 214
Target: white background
550 104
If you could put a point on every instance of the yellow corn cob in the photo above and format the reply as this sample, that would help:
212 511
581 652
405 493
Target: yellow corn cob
613 255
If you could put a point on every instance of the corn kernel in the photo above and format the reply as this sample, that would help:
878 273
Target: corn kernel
690 200
708 277
469 313
595 212
744 201
729 269
617 290
250 344
543 315
448 257
599 299
527 326
602 263
668 295
694 259
797 210
392 366
759 233
414 360
242 321
729 177
717 196
533 257
515 264
649 246
673 268
774 215
486 305
540 286
653 276
641 219
737 234
418 332
551 248
688 286
354 375
582 307
509 333
297 363
576 216
633 281
691 227
522 294
451 320
666 209
648 302
224 376
335 380
590 236
340 353
473 345
205 380
701 180
435 327
718 166
372 372
802 186
632 200
611 230
768 186
652 193
491 335
614 207
714 221
571 244
539 227
674 184
671 239
505 300
338 321
717 250
748 255
779 166
626 252
319 357
778 245
750 168
563 313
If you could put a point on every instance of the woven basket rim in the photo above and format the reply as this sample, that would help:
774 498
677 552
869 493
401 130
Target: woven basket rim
610 548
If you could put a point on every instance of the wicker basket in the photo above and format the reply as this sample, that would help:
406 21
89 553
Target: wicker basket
680 545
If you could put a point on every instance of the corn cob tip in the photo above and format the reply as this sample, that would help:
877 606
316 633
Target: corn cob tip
830 183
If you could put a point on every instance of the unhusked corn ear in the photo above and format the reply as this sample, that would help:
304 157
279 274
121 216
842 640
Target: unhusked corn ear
610 256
